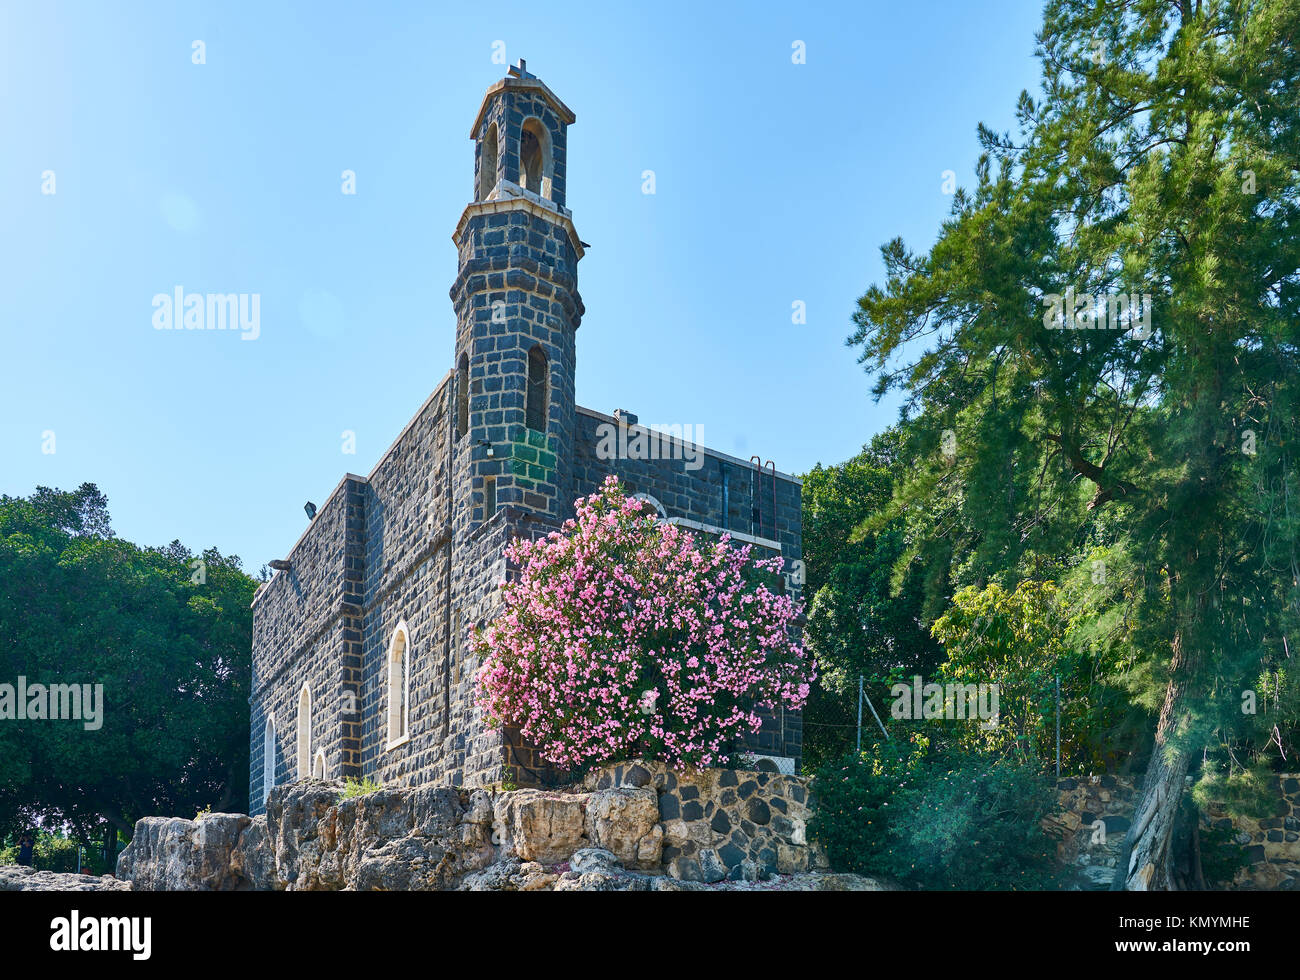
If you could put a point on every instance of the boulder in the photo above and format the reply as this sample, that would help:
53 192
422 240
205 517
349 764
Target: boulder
175 854
388 840
538 825
252 858
626 821
593 859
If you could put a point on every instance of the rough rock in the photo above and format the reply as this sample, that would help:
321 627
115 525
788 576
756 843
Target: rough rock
20 878
626 821
389 840
252 858
616 835
537 825
175 854
593 859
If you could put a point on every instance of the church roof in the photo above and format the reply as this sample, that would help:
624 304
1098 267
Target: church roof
525 82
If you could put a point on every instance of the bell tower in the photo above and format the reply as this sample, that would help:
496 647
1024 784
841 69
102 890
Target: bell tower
517 309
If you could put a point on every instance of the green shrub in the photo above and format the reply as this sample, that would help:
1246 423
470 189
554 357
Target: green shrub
949 820
857 799
359 787
973 823
1244 792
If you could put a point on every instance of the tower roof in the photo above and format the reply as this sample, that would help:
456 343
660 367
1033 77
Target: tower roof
520 79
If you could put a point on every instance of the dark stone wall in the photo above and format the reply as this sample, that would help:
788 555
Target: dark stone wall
697 494
509 110
301 628
517 288
405 580
416 542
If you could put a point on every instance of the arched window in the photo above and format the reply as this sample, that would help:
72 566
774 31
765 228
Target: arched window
487 164
318 766
650 503
304 732
535 158
398 684
462 396
268 757
538 382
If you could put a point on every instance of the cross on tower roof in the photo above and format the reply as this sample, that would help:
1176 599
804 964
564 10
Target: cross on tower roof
521 70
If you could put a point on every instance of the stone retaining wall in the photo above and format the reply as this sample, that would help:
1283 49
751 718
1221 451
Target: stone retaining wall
629 827
1094 819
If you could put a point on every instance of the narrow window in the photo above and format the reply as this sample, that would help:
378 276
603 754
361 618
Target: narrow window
397 684
489 497
462 396
304 732
487 164
268 757
537 394
535 159
318 766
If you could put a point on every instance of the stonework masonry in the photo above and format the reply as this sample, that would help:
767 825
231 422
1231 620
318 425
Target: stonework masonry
361 667
1095 813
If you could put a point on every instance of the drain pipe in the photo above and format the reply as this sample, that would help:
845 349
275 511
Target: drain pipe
725 523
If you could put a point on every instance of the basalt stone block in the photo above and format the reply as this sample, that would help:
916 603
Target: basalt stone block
690 793
747 789
757 812
731 855
721 823
778 804
1116 824
685 869
692 811
727 778
711 866
783 825
669 807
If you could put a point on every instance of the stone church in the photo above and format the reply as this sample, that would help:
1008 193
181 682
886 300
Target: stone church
361 666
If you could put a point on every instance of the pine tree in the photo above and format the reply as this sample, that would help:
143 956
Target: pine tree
1162 159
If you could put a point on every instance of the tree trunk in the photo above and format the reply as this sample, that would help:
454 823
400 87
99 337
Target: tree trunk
1146 860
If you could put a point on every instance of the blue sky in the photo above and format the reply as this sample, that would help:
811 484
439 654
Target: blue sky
775 182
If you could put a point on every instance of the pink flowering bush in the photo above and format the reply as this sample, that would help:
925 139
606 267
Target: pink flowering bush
623 638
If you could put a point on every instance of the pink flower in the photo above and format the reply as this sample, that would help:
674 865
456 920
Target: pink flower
622 636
